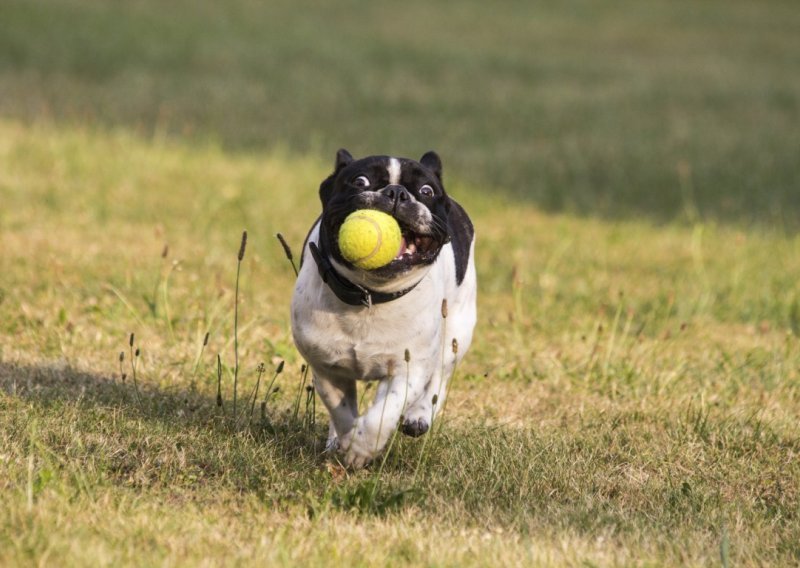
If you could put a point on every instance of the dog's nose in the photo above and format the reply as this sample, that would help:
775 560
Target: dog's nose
396 193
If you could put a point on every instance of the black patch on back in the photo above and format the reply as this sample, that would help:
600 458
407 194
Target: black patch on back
461 233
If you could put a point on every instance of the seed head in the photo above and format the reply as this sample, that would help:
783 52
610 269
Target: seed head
309 388
137 352
455 345
279 370
121 356
219 380
407 356
435 399
165 251
285 246
243 245
130 342
444 308
205 339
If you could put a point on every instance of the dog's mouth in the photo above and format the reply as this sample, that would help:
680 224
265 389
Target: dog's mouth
420 244
416 248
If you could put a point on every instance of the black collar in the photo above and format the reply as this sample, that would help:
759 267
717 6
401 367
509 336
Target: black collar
349 292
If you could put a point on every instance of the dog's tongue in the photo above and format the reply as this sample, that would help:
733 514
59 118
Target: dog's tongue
406 248
403 247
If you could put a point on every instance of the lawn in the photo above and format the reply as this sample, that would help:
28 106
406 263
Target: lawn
632 394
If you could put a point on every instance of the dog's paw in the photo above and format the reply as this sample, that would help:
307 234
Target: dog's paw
356 458
415 427
356 452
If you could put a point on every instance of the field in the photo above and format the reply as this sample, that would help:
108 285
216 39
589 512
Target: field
632 395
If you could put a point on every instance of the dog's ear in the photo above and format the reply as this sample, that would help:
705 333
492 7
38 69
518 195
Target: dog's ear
431 161
343 158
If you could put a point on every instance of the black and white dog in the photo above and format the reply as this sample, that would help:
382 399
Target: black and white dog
386 324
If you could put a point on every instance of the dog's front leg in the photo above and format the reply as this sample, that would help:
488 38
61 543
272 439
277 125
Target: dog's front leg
418 417
339 397
372 430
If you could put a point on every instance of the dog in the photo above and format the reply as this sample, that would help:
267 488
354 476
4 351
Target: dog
405 325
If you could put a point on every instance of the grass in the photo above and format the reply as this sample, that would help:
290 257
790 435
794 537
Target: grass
550 102
621 403
632 393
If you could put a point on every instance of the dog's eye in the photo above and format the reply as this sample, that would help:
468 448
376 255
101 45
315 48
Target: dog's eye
361 182
426 191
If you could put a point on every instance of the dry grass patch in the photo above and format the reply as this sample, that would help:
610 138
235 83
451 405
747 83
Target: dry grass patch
631 396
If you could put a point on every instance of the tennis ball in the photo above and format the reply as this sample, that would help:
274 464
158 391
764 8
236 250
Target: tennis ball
369 239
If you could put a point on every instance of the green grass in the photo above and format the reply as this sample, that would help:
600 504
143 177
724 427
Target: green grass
550 102
651 439
633 390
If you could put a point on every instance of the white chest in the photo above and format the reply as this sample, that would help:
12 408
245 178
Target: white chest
353 342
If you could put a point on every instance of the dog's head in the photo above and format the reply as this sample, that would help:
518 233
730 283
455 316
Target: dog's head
412 192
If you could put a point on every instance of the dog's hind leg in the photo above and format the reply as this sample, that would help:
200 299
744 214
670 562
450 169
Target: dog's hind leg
339 397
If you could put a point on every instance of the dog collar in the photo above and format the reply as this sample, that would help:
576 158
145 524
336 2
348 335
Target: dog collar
350 292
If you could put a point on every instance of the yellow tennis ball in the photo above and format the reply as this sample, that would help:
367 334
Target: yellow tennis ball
369 239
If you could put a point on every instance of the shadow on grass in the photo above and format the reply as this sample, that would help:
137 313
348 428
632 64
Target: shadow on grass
615 111
50 385
629 474
278 456
94 400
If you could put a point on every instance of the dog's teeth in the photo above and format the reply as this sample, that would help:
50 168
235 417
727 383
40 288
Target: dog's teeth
412 248
402 250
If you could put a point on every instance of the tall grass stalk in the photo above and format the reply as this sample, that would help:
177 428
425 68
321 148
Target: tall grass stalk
236 324
122 374
421 461
379 473
260 370
443 376
134 361
303 378
199 356
454 349
278 371
165 294
219 381
152 302
288 252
